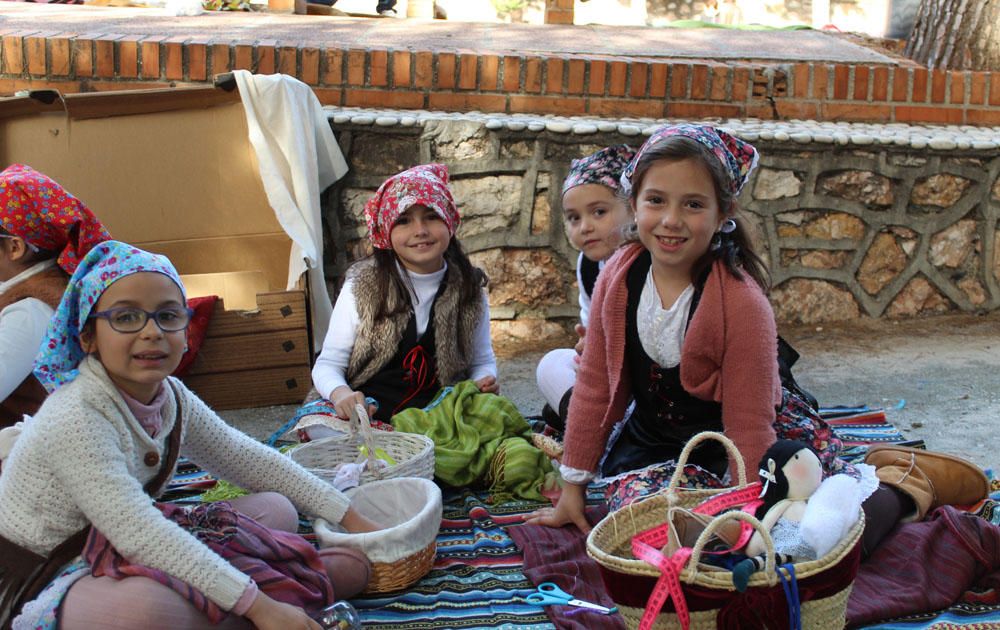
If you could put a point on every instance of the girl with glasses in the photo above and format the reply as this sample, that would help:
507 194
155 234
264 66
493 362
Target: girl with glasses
81 476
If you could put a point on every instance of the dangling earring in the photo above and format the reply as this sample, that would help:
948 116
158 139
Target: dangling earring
728 227
185 348
716 242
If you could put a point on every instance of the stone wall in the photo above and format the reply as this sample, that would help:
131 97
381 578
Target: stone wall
852 223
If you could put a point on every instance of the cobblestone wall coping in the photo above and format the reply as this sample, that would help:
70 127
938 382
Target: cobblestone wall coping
936 137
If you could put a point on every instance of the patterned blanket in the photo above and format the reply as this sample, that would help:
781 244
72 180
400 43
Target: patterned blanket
477 579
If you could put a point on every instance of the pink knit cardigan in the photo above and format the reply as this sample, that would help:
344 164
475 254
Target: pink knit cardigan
729 356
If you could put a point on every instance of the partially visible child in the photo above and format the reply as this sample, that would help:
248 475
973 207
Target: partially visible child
595 217
109 434
414 316
44 232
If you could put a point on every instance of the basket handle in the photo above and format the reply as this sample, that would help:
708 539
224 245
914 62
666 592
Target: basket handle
731 449
716 523
360 421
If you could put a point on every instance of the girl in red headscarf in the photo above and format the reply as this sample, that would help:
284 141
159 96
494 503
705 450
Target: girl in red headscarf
44 232
413 317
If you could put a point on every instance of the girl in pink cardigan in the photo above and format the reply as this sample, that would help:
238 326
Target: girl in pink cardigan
682 338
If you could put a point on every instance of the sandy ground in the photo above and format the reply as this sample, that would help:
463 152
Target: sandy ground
938 378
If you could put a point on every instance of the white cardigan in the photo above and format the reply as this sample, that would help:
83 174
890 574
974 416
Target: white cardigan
81 459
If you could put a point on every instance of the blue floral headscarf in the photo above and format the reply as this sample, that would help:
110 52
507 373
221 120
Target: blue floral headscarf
105 264
738 157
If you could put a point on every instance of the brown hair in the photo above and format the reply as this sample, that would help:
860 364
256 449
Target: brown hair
736 249
389 279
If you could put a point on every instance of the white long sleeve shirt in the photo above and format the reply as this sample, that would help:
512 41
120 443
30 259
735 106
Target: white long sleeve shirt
22 328
330 371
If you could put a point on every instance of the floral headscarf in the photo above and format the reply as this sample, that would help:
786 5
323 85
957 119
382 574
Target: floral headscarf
425 185
37 209
104 265
604 167
738 157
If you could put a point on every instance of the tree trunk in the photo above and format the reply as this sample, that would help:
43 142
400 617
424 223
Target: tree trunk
957 35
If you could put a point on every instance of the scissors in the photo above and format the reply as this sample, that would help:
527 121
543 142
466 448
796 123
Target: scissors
548 594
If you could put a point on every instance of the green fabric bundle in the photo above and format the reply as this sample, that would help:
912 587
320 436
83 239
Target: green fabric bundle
480 437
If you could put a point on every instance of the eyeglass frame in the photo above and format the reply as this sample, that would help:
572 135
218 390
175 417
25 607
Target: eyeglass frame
147 315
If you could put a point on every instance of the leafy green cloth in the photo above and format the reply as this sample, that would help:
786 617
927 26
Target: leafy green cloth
480 437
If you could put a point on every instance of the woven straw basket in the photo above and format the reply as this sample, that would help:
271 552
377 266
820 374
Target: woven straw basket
610 544
413 453
403 552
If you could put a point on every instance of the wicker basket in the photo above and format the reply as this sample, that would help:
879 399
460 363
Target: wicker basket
413 453
610 544
820 614
404 551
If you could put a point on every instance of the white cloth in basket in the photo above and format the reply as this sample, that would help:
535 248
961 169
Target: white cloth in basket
409 507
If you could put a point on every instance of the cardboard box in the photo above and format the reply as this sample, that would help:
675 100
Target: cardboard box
172 171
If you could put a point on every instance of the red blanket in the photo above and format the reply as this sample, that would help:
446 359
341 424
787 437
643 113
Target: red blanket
560 555
284 565
926 566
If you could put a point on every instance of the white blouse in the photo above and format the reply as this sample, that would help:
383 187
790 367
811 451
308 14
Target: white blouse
661 330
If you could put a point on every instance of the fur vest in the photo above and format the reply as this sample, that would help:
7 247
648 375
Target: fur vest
377 341
47 286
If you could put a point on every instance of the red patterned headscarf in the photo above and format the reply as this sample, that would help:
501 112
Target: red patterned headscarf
37 209
425 185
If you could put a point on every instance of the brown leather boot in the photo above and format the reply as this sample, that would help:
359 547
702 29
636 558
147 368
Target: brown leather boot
930 479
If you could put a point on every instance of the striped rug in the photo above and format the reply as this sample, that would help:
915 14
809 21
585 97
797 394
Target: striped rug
477 579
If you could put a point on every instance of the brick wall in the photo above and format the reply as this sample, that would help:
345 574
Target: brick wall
484 81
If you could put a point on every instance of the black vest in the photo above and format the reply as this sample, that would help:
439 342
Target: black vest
588 275
409 379
665 415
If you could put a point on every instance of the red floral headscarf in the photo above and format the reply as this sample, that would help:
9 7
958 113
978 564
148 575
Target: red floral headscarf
425 185
37 209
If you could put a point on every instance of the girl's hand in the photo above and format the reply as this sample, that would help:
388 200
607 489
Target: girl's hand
354 522
269 614
569 510
581 331
488 385
344 398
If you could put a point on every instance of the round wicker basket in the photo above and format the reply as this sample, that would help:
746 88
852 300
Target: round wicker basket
410 509
610 544
413 453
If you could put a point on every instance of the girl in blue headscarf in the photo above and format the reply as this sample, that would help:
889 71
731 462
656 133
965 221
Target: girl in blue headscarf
107 439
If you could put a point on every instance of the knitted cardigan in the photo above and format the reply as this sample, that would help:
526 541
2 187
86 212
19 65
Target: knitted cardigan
729 356
84 458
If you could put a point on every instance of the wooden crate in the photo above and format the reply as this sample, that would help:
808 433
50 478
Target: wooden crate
255 358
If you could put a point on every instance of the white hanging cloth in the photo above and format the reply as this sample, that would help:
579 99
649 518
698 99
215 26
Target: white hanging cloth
299 158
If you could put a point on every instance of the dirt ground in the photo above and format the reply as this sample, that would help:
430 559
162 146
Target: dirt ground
938 378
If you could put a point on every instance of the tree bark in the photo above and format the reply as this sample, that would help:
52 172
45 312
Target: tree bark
957 35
